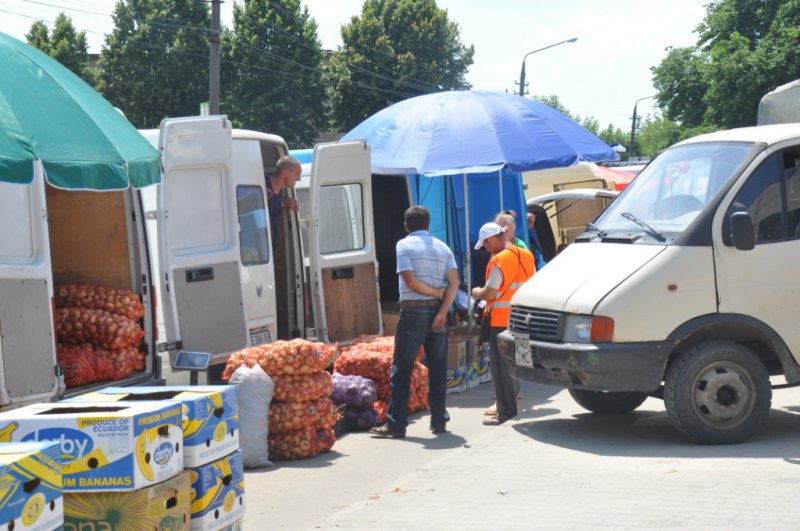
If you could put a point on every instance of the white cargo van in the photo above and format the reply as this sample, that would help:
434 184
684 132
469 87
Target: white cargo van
685 289
225 284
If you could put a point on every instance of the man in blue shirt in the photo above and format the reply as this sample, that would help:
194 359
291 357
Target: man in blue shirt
428 286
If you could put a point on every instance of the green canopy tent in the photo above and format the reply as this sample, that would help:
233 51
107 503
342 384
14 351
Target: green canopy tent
51 118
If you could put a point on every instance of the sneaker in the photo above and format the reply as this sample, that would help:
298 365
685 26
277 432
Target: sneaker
386 431
439 429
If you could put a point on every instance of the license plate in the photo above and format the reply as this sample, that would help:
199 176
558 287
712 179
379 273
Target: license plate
522 351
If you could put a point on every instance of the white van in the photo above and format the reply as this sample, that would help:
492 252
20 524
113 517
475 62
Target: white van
226 285
685 289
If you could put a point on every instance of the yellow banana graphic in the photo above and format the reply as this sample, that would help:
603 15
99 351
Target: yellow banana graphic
143 456
223 475
94 459
5 433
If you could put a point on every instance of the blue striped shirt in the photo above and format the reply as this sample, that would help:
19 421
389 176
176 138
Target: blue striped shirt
429 258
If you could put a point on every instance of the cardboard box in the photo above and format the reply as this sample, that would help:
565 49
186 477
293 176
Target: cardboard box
104 445
165 505
218 493
457 380
30 486
456 353
210 418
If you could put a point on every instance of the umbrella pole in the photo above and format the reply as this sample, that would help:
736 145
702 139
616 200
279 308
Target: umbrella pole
500 182
468 254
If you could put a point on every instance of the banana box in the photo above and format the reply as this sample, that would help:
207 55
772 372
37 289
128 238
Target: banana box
456 380
164 506
104 445
210 418
30 487
218 493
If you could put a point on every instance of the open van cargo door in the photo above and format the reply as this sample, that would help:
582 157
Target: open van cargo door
203 306
27 346
342 243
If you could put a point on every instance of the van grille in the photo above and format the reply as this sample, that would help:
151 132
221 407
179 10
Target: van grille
538 324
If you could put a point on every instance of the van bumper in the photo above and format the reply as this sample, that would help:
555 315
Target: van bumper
597 367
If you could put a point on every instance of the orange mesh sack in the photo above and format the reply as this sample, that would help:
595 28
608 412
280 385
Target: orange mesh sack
289 416
302 387
302 443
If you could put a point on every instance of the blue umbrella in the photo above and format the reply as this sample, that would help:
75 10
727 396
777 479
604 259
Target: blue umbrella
474 131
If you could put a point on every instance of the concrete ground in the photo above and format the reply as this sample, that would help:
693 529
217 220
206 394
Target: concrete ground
554 467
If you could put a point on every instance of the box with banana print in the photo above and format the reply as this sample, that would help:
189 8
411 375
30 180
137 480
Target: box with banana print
164 506
30 487
218 494
210 418
105 446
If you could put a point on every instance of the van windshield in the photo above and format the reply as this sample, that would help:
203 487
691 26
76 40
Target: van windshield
672 191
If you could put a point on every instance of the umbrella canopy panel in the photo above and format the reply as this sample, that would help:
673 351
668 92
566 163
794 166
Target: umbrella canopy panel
49 114
475 131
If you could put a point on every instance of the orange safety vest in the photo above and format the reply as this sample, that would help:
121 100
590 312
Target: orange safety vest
517 266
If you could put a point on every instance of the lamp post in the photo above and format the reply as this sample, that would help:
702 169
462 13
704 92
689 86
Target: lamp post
633 124
522 72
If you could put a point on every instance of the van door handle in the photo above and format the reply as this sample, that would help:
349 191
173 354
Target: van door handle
200 274
343 273
259 289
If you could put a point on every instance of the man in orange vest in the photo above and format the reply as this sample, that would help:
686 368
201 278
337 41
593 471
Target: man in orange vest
509 267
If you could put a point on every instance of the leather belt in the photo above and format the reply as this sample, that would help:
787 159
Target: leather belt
419 303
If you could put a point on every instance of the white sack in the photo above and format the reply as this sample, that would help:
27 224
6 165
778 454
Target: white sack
254 389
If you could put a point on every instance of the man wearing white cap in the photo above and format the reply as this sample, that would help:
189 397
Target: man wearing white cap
509 267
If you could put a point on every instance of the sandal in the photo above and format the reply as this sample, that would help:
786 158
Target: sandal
493 421
491 412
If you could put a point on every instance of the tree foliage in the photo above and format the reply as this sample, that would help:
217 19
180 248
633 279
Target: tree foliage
154 64
395 49
744 50
272 73
65 45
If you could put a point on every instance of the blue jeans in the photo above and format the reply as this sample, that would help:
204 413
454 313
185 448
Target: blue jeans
414 328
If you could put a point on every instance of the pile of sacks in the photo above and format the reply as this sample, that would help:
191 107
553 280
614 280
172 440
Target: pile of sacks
301 414
371 357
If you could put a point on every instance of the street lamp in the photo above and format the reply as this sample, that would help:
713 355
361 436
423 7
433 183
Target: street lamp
522 72
633 124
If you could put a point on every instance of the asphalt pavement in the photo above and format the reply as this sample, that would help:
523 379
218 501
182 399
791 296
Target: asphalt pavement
554 467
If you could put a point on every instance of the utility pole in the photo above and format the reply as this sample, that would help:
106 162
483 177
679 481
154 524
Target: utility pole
213 67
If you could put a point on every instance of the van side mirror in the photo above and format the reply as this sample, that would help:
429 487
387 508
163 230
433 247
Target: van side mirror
744 238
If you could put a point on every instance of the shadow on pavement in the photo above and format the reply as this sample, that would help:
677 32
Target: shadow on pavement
651 434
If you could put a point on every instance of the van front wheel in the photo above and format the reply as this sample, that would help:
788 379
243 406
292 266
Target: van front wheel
607 403
718 393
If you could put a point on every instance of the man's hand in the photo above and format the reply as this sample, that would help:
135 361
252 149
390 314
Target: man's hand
291 204
440 293
439 321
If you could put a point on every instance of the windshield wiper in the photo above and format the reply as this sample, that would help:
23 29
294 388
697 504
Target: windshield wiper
600 232
660 237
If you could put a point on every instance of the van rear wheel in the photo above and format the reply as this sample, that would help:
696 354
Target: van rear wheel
607 403
718 393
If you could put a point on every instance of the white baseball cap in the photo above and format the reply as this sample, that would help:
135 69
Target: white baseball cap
487 231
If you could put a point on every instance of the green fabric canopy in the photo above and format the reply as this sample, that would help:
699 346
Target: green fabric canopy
49 114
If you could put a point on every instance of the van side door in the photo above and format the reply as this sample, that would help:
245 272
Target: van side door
342 248
198 238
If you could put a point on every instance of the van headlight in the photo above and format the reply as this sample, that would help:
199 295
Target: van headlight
588 329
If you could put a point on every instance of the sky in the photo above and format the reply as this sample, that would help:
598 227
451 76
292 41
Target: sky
602 74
